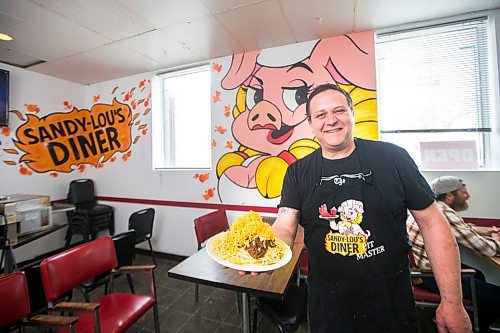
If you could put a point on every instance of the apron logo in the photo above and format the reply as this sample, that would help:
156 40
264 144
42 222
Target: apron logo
346 245
350 239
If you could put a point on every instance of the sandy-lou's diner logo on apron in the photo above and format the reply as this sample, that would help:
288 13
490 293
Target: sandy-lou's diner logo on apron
346 236
61 141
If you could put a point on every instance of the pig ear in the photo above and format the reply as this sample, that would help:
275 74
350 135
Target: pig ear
350 59
241 68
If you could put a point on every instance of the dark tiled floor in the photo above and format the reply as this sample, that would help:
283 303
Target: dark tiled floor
215 310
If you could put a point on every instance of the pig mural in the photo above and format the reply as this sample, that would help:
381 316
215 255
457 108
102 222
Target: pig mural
270 123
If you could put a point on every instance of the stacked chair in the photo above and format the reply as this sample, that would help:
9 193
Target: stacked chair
89 217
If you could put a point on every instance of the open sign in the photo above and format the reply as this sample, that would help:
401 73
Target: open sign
449 155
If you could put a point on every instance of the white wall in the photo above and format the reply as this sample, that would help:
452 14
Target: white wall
134 178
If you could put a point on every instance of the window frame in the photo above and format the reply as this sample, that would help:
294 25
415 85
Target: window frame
486 139
163 122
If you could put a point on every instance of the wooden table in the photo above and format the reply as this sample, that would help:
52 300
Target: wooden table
201 269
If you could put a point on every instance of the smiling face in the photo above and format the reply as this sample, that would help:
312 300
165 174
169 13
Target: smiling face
332 122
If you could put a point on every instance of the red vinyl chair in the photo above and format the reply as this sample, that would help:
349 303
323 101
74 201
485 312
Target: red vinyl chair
15 306
114 312
206 226
427 298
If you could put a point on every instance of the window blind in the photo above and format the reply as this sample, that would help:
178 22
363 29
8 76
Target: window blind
434 79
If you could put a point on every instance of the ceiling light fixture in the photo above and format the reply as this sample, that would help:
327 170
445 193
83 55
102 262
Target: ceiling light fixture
5 37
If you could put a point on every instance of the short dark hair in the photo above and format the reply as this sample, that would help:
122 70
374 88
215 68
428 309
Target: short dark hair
324 87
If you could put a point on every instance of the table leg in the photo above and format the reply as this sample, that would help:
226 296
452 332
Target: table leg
245 312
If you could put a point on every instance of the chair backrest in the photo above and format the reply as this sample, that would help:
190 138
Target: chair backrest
81 191
15 299
142 222
125 247
209 225
66 270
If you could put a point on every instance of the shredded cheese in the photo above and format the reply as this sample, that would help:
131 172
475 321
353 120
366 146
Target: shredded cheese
231 245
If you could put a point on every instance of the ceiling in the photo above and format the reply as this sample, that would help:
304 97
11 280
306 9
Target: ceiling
90 41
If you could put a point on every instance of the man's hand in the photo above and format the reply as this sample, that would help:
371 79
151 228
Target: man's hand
452 318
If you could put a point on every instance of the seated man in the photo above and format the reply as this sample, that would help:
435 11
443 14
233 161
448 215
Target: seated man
451 197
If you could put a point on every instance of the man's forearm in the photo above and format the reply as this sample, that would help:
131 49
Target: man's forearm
285 226
443 253
442 249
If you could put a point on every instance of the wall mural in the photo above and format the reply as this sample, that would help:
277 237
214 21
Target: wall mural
70 141
269 119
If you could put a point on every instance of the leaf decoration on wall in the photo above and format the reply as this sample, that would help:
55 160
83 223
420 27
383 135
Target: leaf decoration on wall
219 129
25 171
209 193
10 162
18 114
6 131
216 97
216 67
202 177
32 108
227 110
11 151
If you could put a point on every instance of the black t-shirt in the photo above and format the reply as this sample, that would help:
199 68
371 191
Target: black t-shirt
395 175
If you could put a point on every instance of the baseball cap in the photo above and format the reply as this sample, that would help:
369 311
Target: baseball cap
445 184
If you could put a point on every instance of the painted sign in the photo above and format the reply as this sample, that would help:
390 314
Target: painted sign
449 155
62 141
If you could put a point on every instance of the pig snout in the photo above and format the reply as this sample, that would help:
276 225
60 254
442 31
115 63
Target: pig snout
264 115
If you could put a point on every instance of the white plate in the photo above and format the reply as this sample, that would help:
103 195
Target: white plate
247 268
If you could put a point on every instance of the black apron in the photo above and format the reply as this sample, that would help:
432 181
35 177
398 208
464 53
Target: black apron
358 268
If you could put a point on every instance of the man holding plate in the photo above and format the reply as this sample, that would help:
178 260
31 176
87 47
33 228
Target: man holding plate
352 196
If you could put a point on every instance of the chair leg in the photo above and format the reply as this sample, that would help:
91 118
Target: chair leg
474 304
130 283
155 314
151 252
254 320
238 300
196 287
86 295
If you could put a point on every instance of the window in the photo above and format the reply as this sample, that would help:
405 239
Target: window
434 86
181 119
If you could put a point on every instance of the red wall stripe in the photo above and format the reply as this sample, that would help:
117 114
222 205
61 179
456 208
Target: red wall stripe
259 209
485 222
